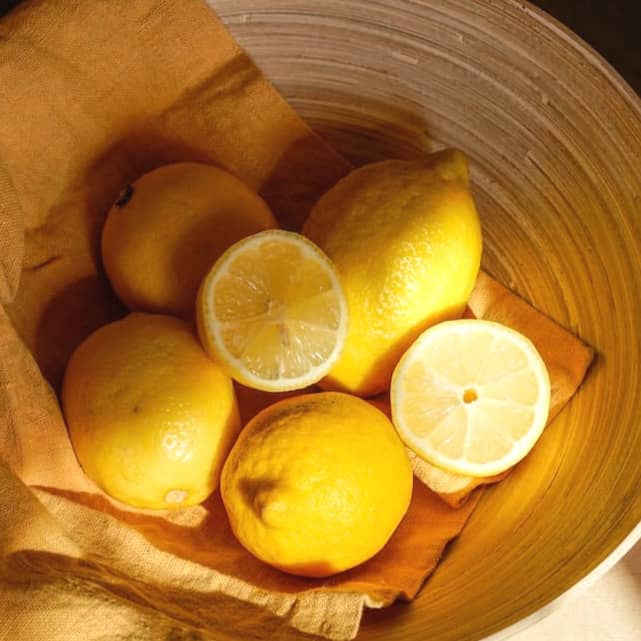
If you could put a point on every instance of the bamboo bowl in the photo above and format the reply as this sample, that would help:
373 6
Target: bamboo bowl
554 135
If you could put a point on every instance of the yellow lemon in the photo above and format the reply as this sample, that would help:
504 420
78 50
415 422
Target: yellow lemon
169 227
316 484
471 397
406 240
150 416
272 312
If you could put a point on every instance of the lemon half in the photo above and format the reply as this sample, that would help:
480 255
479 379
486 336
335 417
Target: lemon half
471 397
272 312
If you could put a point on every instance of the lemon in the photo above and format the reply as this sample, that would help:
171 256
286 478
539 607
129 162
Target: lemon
316 484
406 240
272 312
150 416
471 397
169 227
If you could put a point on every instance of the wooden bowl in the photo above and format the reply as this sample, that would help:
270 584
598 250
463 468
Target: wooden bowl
554 135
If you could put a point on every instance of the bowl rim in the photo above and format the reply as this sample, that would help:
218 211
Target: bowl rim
581 586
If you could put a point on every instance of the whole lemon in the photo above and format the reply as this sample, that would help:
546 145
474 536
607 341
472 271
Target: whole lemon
150 416
316 484
168 228
406 240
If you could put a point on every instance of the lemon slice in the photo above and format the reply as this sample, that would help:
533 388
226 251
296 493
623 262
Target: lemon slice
471 397
272 311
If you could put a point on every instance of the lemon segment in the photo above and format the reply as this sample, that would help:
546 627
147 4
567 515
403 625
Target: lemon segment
273 312
471 397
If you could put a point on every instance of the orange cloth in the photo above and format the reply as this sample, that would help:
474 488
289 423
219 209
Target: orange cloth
93 95
566 357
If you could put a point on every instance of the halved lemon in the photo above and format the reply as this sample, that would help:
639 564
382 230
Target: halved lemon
272 311
471 397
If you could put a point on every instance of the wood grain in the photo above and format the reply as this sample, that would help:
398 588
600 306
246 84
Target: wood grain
555 140
612 27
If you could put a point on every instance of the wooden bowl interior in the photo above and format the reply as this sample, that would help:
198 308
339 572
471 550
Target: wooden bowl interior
554 136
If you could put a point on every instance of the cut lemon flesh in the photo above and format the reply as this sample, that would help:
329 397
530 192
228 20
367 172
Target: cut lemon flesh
272 311
471 397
